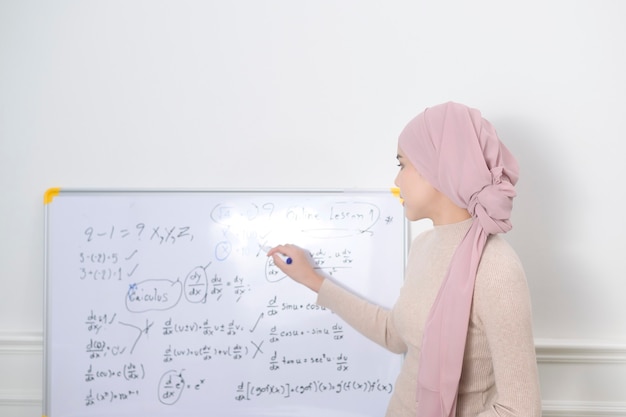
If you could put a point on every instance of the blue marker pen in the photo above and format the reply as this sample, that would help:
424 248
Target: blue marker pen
285 258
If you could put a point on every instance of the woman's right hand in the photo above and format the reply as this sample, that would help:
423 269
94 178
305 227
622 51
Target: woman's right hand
301 269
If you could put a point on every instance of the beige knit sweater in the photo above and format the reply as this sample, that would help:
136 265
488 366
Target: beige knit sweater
499 375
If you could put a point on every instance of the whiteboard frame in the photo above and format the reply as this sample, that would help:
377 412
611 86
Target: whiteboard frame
53 193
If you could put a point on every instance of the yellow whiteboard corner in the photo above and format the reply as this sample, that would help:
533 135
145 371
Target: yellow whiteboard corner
49 196
396 193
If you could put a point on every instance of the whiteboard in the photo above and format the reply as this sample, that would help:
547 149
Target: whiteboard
162 303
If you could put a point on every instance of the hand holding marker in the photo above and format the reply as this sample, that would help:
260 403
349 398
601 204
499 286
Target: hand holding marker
298 265
284 257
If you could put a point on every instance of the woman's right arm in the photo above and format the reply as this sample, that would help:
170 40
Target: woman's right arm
369 319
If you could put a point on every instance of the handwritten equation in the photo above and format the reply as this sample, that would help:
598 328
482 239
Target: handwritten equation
173 302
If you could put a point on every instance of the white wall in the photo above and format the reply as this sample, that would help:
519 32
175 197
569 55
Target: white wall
273 94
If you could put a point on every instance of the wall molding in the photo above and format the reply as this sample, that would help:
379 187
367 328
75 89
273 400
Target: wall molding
20 398
18 343
579 351
549 351
15 398
583 409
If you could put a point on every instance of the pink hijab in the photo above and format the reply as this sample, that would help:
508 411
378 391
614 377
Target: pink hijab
459 153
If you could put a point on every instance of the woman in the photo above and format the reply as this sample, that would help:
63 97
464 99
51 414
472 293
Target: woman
463 316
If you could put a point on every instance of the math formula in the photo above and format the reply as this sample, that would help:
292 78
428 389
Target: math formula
164 301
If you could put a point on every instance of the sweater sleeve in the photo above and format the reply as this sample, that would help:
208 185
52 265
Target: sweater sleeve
502 303
371 320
